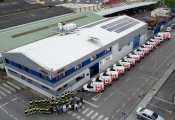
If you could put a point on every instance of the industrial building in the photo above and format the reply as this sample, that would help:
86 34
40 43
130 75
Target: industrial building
60 63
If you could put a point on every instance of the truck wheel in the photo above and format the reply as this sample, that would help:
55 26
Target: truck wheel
116 79
129 69
139 117
123 74
143 57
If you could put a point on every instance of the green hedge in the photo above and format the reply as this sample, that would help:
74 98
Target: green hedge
168 3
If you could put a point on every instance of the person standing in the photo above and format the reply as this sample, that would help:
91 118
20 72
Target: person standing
30 110
69 106
37 109
58 109
54 110
47 101
56 102
62 96
51 103
78 100
80 104
44 110
26 112
47 110
52 99
61 108
72 93
31 102
34 109
57 96
81 100
68 94
39 101
43 101
72 107
64 108
51 110
71 99
76 106
36 102
65 94
41 110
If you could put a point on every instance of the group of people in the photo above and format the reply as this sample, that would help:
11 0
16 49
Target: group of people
61 104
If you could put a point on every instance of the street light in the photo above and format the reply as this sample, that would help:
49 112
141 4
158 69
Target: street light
154 70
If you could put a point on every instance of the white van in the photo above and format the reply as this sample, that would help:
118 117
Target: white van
119 69
94 87
106 79
138 52
164 35
129 59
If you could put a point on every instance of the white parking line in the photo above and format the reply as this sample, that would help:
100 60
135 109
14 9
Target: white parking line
5 89
94 116
164 100
134 93
113 117
138 89
157 70
124 104
105 99
169 43
13 85
143 84
74 114
152 57
2 93
89 113
160 108
90 103
141 67
15 118
161 50
129 99
23 100
146 80
111 94
85 110
127 80
106 118
4 110
12 89
100 117
78 117
149 76
11 115
159 66
88 94
118 110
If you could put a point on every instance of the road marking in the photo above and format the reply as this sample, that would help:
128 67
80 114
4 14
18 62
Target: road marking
169 56
127 80
106 118
164 100
141 67
78 117
85 110
160 108
13 99
129 99
111 94
15 118
161 50
94 116
138 89
149 76
4 110
152 57
89 113
100 117
5 89
90 103
23 100
118 110
88 94
157 70
12 89
82 119
143 84
113 117
13 85
146 80
2 93
105 99
69 112
81 109
95 98
19 98
134 93
11 115
169 43
124 104
159 66
74 114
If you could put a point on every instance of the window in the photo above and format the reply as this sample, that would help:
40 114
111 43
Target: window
44 76
23 77
80 77
149 117
59 90
120 49
30 81
28 70
144 115
94 57
12 71
61 75
45 87
65 85
8 61
78 66
20 66
129 44
57 78
107 50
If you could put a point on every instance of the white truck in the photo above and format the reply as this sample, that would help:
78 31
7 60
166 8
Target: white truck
148 45
106 79
152 43
139 52
1 63
126 65
156 40
113 73
136 57
120 69
145 50
129 59
163 35
93 87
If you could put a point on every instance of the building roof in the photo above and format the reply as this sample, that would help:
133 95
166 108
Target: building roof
117 9
58 51
24 34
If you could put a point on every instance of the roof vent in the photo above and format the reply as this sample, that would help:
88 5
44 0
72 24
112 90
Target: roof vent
63 29
95 40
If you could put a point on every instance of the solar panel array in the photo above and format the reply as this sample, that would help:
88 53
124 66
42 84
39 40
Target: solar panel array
120 25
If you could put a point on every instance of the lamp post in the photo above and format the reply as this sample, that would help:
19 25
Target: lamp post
154 69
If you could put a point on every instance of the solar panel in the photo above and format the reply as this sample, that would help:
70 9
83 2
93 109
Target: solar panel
115 22
127 27
119 25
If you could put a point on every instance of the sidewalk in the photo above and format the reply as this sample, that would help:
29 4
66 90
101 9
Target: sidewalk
150 94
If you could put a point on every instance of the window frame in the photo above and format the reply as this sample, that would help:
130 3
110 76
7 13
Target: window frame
65 86
30 81
45 87
77 66
92 58
108 50
80 77
59 89
120 49
28 69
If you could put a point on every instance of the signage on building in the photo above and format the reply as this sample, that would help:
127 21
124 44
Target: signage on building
107 59
43 72
62 70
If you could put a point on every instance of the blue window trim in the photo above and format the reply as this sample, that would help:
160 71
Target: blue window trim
59 90
129 44
29 80
45 87
120 49
78 78
12 71
65 86
23 77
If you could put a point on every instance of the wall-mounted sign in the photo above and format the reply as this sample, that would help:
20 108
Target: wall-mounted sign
107 59
43 72
62 70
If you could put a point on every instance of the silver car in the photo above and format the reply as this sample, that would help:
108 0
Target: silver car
146 114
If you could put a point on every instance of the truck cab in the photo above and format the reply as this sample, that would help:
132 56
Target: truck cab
113 73
93 87
163 35
139 52
148 45
145 50
129 59
134 56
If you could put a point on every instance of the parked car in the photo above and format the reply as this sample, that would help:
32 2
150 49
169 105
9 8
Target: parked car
148 114
172 26
168 29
